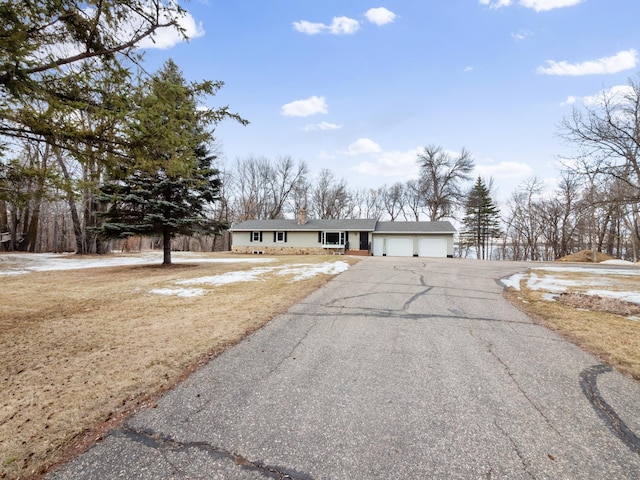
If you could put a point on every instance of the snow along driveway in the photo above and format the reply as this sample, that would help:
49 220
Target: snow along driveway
617 283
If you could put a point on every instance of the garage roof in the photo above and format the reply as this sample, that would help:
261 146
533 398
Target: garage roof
415 227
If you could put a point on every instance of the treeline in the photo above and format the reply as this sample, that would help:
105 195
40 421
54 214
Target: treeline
96 153
533 224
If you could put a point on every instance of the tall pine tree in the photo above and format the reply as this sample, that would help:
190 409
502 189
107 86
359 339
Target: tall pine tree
481 220
166 187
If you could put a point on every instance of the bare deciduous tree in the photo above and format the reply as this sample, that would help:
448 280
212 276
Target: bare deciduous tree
263 188
607 135
441 176
330 198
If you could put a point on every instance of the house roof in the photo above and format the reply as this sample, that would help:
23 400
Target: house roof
311 225
415 227
344 224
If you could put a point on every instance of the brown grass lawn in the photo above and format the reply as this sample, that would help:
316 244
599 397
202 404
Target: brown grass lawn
81 348
608 328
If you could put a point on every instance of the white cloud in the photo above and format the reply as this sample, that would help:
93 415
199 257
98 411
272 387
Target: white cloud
468 69
621 61
617 94
309 28
321 126
380 16
396 163
569 101
521 35
339 26
546 5
496 3
503 170
304 108
537 5
344 26
362 146
165 38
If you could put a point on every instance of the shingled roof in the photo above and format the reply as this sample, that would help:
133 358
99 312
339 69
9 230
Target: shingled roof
344 224
311 225
415 227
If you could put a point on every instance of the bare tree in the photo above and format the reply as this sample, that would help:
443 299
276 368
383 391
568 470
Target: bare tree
264 188
330 198
414 199
368 203
393 200
607 136
441 176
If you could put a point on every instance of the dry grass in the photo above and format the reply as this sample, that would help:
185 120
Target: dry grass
601 326
83 347
585 256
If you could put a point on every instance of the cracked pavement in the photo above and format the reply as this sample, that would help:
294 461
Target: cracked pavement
397 368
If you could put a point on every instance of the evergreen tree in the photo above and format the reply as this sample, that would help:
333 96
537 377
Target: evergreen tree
169 182
482 218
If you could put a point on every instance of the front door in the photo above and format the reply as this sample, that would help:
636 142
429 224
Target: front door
364 241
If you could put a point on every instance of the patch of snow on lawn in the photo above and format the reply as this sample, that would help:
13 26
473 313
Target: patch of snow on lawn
558 285
592 271
229 277
633 297
513 281
178 292
306 271
552 286
617 261
19 263
302 271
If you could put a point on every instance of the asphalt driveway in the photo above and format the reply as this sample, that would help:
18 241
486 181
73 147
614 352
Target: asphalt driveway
398 368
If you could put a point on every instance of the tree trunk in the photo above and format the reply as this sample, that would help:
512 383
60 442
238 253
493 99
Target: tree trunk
166 247
31 233
81 246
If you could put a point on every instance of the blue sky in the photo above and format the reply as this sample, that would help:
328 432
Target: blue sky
360 86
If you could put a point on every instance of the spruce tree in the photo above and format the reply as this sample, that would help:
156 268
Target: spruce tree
167 185
482 218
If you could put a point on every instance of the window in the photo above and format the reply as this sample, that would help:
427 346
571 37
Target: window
333 238
256 236
279 236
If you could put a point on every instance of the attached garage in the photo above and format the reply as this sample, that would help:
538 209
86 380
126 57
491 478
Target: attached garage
408 239
399 247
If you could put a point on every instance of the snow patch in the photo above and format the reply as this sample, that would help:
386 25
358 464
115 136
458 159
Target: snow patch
513 281
227 278
306 271
552 285
633 297
178 292
19 263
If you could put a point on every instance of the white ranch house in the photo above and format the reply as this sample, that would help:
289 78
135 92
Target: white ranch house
365 237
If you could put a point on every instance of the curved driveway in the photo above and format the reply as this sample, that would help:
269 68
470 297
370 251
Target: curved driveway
398 368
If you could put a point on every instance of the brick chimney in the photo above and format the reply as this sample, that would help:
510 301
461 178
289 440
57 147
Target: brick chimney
302 216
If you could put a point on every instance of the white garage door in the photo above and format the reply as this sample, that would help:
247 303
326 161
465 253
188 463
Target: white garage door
432 247
399 247
378 247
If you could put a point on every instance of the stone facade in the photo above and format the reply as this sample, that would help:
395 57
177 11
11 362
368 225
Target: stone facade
286 250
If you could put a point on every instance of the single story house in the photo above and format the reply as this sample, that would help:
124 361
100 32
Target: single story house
319 237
